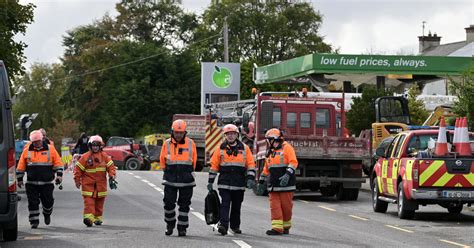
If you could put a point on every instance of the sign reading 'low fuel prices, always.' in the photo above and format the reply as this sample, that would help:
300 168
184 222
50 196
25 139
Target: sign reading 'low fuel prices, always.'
371 61
361 64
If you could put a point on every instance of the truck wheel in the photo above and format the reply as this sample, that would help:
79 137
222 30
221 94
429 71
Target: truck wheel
403 213
341 194
328 191
456 209
379 206
352 194
11 234
132 164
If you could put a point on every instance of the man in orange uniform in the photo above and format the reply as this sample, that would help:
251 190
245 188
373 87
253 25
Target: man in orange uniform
178 160
234 161
280 167
90 172
39 161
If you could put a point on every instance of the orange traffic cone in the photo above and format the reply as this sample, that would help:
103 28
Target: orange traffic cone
442 143
464 146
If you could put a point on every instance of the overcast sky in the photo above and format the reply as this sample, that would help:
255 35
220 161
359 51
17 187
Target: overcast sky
353 26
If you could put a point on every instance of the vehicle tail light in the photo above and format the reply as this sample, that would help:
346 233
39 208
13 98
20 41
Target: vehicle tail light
415 170
11 170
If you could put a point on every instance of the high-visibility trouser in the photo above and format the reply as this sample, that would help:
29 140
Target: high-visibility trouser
94 208
184 201
35 194
281 206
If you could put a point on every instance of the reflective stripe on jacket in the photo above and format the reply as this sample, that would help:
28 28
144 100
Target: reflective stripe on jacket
277 164
178 161
234 170
39 165
91 171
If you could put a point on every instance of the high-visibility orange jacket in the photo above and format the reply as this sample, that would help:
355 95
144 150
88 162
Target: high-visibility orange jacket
91 172
178 161
233 168
277 164
39 165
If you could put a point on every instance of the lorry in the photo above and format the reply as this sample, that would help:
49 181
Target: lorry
328 159
401 176
125 153
196 130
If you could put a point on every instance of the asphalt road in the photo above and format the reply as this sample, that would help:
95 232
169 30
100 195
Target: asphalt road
134 218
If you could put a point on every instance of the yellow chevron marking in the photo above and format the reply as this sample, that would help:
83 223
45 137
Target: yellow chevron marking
443 180
426 174
408 168
379 182
384 168
458 185
390 186
395 168
470 178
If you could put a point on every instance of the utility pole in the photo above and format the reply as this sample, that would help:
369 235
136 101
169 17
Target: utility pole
423 26
226 41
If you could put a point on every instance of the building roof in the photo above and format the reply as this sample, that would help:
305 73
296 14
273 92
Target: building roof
467 50
449 49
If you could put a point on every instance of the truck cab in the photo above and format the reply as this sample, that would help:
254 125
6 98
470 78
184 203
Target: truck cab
8 193
125 153
404 176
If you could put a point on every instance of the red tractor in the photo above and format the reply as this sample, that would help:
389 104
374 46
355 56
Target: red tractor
125 153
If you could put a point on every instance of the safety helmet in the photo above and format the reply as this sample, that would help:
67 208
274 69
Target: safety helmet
230 128
36 135
96 139
178 126
274 133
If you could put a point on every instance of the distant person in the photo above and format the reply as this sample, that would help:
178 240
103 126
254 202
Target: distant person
40 162
45 137
81 144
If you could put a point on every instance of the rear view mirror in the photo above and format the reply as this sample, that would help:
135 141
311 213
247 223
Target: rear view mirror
380 152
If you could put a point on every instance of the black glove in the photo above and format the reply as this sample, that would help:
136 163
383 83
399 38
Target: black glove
260 188
112 183
250 183
209 187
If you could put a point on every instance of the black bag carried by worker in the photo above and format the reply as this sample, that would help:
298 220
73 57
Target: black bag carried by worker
212 205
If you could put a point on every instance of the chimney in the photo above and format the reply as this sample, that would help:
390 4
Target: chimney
429 41
470 34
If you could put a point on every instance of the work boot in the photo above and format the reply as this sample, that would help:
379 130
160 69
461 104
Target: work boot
181 233
169 230
222 230
34 225
47 219
98 222
88 222
236 230
286 231
273 232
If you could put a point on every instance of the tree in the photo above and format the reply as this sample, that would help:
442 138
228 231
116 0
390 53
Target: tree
464 90
418 113
362 112
14 19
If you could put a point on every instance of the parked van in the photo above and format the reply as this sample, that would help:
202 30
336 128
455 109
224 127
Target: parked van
8 194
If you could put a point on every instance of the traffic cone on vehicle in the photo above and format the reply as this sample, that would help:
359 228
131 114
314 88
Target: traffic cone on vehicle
442 143
463 147
456 130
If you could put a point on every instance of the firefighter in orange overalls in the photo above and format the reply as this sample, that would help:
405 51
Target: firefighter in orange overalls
90 172
178 160
39 161
234 163
280 167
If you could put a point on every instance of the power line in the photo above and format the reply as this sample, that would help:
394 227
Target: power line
124 64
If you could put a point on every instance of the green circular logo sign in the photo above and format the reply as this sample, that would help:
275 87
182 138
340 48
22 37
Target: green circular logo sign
222 77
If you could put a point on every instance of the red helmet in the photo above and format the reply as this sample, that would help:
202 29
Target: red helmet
96 139
178 126
230 128
36 135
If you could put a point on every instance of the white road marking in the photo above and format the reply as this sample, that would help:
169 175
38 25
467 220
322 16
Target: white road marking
357 217
145 181
327 208
163 193
33 237
192 209
130 173
158 189
152 185
242 244
398 228
303 201
454 243
137 177
199 215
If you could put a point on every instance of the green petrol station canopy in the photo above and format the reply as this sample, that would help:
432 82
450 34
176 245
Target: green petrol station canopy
362 64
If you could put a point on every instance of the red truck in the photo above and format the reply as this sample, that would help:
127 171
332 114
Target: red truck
125 153
401 176
329 160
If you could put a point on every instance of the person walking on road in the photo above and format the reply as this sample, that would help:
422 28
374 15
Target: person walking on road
280 167
40 162
81 146
234 163
90 173
178 160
